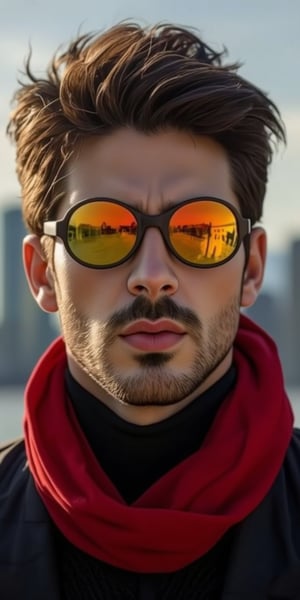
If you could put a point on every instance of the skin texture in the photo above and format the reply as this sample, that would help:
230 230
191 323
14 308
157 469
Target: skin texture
149 172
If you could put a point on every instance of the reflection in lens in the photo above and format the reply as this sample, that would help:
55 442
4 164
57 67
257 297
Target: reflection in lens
101 233
203 232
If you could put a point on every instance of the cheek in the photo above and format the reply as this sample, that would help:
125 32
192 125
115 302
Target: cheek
212 289
92 292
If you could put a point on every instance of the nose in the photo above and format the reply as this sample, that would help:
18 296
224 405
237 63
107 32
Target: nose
152 273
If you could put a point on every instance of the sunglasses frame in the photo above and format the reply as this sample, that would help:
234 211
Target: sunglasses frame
160 221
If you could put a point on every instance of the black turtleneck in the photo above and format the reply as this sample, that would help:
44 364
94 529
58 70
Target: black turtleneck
135 456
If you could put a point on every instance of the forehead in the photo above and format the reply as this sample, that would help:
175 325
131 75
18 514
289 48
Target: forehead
149 171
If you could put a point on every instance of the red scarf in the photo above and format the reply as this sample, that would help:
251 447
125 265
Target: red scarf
181 516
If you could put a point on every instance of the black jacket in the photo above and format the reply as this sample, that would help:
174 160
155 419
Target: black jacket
264 562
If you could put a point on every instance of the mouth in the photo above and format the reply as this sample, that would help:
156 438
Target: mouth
153 336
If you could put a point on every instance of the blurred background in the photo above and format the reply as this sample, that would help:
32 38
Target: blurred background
262 34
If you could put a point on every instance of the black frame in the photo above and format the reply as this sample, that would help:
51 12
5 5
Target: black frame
59 229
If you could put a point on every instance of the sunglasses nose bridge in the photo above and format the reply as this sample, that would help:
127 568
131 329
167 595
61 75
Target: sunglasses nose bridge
157 221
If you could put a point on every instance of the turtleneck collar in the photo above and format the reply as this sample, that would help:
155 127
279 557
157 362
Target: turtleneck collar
135 456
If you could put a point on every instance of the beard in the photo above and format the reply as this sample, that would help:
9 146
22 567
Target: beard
154 382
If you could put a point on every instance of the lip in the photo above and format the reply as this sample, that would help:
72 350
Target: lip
145 326
153 336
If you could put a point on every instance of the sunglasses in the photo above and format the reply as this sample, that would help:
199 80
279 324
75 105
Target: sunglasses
101 233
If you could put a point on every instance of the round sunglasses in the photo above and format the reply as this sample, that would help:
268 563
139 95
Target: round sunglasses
101 233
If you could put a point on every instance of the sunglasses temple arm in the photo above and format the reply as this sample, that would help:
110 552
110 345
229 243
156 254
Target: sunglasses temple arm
50 228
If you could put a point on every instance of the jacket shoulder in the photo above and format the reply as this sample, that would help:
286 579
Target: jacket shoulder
28 566
291 465
294 447
296 435
12 464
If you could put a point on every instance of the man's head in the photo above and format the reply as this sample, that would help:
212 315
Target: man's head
150 119
149 79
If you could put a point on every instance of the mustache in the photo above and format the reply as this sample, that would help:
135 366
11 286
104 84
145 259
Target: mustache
143 308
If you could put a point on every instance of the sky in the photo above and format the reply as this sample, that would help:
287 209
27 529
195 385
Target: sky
262 34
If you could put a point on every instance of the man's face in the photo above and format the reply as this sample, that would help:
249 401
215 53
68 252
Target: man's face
107 316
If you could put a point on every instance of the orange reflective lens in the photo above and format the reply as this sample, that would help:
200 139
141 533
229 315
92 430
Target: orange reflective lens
204 232
101 233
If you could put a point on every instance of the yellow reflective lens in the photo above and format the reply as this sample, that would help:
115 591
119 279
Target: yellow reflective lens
101 233
203 232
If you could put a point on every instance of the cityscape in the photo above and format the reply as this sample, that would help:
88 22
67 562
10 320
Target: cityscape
26 331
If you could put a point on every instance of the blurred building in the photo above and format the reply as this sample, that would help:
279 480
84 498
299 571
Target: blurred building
295 312
270 312
25 330
277 310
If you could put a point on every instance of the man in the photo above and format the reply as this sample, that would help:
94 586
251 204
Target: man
158 458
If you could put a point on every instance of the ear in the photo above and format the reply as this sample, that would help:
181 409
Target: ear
39 274
254 270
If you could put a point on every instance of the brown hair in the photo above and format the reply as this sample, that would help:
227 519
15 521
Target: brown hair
150 79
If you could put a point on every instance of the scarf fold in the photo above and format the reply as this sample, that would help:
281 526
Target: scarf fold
182 515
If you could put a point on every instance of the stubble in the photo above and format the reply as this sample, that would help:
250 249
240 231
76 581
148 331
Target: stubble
154 382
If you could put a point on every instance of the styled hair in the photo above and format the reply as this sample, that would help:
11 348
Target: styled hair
150 79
